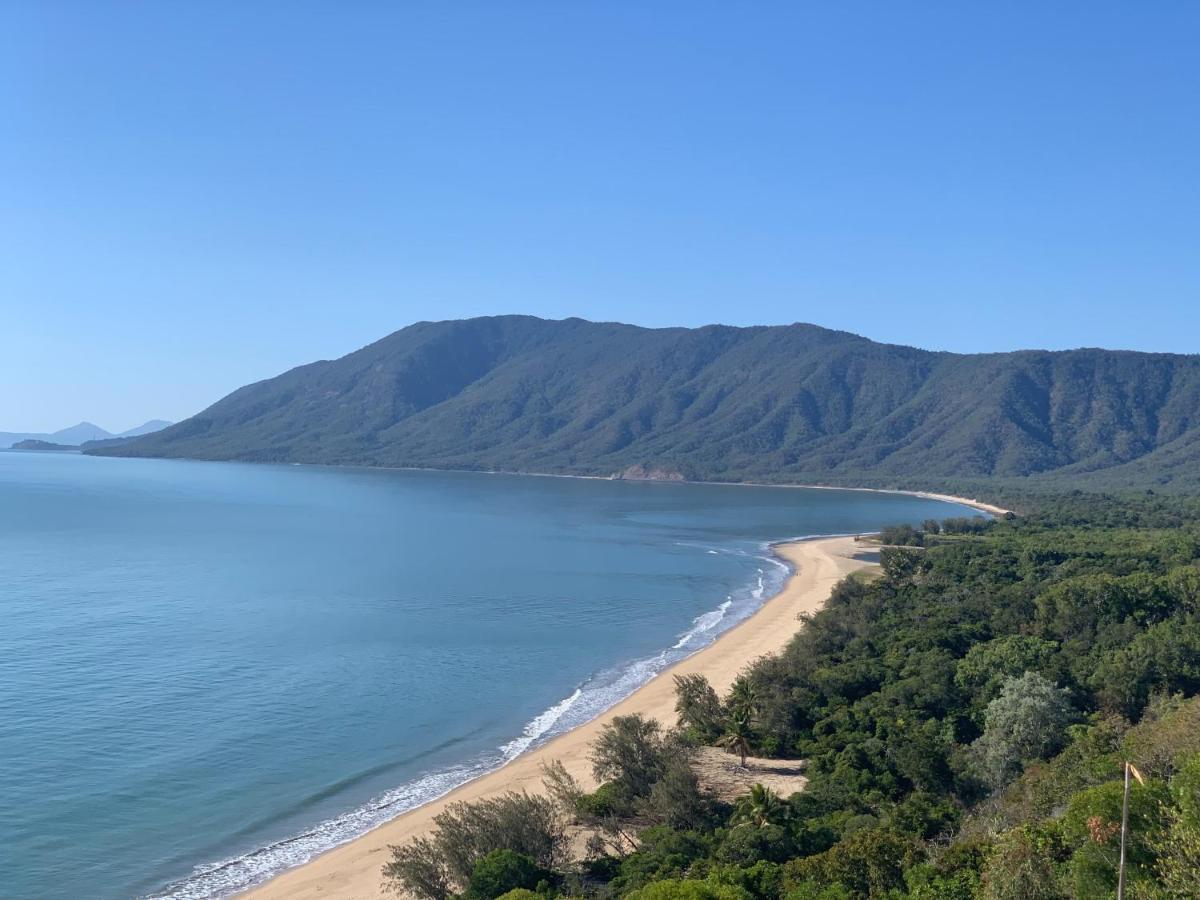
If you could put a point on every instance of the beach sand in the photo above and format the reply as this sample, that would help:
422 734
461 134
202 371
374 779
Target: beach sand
352 871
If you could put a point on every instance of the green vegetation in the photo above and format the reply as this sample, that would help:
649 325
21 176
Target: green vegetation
792 403
965 718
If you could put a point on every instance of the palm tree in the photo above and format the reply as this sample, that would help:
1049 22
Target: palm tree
743 699
737 737
760 808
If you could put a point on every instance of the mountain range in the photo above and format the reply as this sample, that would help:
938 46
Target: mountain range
80 434
795 403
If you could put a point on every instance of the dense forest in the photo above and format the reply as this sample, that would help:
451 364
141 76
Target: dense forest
964 713
792 403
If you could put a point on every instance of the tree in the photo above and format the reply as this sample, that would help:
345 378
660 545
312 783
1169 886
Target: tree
759 808
675 799
631 754
1027 721
419 868
743 701
698 707
987 666
737 738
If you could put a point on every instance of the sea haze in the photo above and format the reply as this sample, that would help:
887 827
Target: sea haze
212 671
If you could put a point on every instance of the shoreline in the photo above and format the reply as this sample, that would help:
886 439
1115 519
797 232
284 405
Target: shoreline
981 505
352 870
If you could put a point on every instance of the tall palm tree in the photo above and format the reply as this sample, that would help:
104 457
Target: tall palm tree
743 699
737 737
760 808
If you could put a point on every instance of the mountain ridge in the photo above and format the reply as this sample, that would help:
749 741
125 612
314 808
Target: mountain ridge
80 434
780 403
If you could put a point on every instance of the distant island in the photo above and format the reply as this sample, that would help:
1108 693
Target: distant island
43 446
794 403
83 435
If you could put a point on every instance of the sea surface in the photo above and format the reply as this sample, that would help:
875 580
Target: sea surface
212 671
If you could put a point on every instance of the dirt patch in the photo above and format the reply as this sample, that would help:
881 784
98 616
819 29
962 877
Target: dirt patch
722 773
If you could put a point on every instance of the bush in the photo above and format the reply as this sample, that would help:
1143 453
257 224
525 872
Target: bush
1092 826
675 799
1178 846
986 667
1027 721
464 833
744 845
689 889
763 880
868 863
901 536
966 525
1025 864
662 853
502 871
603 802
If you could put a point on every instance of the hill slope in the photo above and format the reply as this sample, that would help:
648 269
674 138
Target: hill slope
796 402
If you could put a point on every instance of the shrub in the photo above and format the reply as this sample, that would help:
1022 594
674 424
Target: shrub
432 868
901 536
867 863
502 871
689 889
1027 721
1092 825
1025 864
675 799
986 667
1178 845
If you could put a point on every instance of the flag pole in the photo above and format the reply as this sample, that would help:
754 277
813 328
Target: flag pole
1124 832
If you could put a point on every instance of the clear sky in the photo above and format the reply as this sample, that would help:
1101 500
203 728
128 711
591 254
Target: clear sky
198 195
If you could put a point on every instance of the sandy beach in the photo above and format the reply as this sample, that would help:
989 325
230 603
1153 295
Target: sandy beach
352 871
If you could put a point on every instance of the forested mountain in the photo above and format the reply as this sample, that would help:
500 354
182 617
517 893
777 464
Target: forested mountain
781 403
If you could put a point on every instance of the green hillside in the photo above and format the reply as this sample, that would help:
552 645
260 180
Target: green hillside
780 403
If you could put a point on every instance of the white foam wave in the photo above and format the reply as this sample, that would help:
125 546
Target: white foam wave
757 593
538 726
229 876
702 623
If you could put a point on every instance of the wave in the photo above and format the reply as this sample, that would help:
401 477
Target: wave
704 622
589 700
538 726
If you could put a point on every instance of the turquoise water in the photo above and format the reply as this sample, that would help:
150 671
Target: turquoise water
210 671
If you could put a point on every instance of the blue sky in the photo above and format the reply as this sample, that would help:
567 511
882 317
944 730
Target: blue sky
199 195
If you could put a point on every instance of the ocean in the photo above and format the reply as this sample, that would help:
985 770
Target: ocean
210 672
